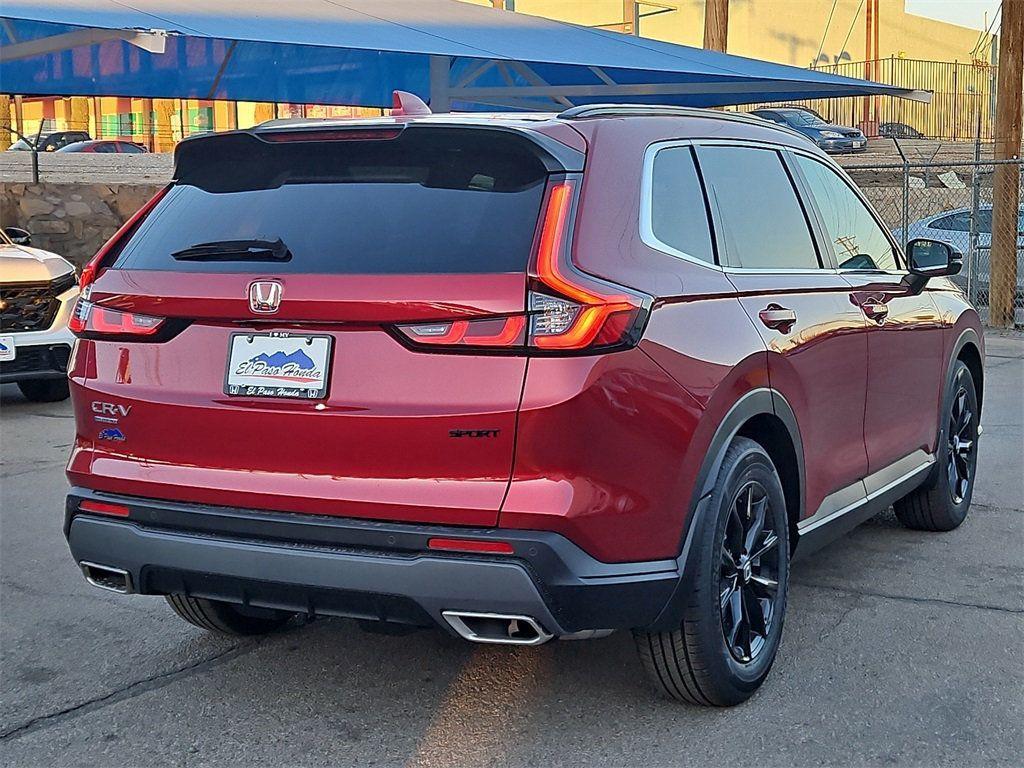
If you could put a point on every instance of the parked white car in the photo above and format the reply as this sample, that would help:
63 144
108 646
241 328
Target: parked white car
38 290
954 227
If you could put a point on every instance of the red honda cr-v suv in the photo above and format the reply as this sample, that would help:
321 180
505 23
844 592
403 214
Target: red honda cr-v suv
522 377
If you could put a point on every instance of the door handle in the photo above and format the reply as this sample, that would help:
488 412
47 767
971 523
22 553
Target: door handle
777 318
876 310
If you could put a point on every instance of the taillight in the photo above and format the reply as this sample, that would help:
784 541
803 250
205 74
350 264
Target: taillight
493 332
89 320
570 310
567 311
91 270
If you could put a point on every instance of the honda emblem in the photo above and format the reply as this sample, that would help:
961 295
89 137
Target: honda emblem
265 296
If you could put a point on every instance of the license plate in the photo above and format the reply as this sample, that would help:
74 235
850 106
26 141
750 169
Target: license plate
278 365
858 143
7 350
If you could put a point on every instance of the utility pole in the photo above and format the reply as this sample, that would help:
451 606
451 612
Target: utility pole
1006 177
870 57
716 24
631 17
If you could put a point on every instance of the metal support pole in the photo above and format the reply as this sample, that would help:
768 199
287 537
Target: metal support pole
905 212
35 152
440 89
972 249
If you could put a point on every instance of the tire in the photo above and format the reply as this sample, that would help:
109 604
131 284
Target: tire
942 503
225 618
45 390
696 663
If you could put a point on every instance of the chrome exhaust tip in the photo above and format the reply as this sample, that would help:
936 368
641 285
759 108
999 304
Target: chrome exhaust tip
107 577
497 628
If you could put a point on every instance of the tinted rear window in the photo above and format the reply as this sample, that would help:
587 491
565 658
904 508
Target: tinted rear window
428 201
761 222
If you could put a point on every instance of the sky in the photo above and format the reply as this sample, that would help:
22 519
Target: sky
967 13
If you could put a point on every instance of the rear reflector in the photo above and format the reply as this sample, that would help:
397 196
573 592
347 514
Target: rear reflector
471 545
103 508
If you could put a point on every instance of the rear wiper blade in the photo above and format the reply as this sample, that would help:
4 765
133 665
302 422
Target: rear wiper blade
235 250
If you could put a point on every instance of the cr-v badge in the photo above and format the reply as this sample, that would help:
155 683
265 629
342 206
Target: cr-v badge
265 296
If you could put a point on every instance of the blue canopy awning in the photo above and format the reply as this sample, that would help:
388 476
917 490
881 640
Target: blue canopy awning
356 52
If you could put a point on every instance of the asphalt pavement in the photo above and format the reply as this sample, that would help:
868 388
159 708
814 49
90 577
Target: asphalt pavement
900 648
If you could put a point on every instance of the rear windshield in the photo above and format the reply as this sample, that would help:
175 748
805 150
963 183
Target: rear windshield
426 201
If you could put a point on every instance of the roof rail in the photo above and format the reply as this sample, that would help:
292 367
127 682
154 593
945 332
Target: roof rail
609 110
653 110
667 110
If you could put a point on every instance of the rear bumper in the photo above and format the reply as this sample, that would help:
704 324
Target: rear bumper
363 569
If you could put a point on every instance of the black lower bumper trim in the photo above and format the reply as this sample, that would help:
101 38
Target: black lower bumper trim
40 361
363 569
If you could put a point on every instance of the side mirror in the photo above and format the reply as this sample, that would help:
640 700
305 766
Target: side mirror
931 258
18 235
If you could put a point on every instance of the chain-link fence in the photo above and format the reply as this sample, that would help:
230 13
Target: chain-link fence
957 203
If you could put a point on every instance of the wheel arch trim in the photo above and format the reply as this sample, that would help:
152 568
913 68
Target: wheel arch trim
968 336
763 401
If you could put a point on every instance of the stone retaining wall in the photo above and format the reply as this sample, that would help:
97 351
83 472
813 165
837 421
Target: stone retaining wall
72 220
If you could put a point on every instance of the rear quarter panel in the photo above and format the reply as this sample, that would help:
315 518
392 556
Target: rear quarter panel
609 448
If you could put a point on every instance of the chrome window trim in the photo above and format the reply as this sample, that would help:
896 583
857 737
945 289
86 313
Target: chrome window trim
648 237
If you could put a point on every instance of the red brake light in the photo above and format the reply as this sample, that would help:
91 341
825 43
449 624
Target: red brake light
340 134
103 508
91 320
91 270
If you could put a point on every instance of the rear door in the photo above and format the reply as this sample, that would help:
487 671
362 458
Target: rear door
295 257
800 306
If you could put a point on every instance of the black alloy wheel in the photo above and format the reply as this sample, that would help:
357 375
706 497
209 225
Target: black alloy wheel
960 441
749 581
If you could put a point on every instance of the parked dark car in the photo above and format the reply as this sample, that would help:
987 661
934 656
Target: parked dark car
519 377
899 131
802 108
51 142
835 139
105 146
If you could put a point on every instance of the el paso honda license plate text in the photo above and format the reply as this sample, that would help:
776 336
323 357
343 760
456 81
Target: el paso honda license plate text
278 365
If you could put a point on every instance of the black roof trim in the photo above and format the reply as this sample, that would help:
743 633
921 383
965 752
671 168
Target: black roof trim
593 111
